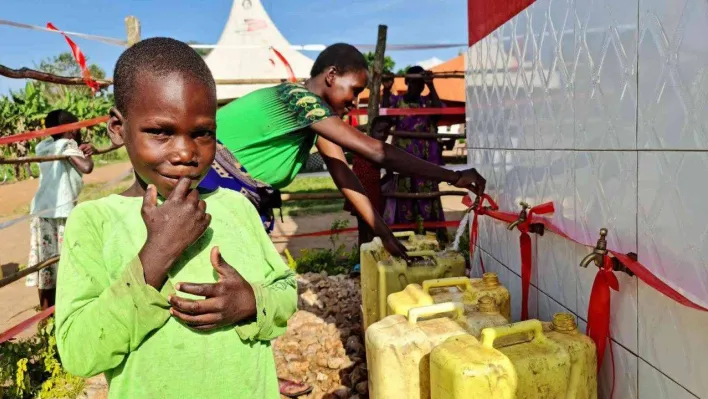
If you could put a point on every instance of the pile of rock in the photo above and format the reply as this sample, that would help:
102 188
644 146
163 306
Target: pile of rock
323 346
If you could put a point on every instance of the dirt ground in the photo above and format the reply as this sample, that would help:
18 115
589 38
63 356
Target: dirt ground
17 302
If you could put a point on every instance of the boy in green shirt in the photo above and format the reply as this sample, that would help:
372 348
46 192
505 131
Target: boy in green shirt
167 300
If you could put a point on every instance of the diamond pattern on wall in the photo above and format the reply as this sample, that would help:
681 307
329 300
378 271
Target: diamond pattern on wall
673 78
605 75
673 222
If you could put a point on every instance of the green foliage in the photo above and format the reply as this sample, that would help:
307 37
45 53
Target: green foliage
389 63
25 110
335 260
31 368
403 70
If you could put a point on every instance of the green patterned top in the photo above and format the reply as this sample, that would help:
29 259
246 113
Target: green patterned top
269 130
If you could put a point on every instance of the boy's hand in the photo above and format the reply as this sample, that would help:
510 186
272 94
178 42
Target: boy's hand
227 302
87 149
171 228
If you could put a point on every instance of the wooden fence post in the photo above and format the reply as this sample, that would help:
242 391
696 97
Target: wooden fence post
132 27
378 69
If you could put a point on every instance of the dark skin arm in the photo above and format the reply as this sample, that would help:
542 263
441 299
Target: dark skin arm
390 157
85 164
351 187
434 98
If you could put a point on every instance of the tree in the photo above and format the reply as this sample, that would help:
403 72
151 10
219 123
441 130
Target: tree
389 63
403 70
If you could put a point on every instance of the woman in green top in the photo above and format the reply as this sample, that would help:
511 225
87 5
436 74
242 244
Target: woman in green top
269 133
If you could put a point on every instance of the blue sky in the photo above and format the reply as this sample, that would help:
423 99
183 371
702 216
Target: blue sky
300 21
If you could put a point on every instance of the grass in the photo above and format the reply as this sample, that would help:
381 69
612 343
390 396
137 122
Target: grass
303 185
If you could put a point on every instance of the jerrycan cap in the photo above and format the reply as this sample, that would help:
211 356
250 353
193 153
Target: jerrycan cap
564 322
487 305
490 279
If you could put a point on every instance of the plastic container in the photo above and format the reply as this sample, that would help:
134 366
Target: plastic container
583 355
486 314
394 274
468 291
411 297
398 348
371 254
504 366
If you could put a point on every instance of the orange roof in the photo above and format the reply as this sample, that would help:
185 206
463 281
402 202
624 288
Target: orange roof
449 89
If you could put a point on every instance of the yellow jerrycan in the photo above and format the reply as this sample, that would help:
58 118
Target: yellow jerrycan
398 349
540 367
482 315
583 355
370 254
395 274
468 291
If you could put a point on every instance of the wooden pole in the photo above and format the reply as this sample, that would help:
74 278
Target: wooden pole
377 69
22 273
132 27
26 73
15 161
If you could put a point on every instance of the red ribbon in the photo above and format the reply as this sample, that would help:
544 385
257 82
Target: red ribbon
33 134
80 59
13 331
478 208
599 307
526 254
291 74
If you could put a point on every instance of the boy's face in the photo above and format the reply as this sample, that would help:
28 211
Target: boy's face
169 130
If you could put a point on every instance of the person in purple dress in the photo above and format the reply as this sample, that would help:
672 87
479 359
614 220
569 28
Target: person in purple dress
409 210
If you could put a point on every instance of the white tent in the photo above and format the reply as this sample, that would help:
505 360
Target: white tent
243 51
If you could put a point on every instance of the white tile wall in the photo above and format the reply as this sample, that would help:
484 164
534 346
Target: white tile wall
655 385
606 97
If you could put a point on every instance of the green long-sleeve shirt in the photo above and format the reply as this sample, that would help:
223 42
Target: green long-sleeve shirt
109 320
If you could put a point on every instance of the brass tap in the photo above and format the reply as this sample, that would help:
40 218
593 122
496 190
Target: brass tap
522 216
598 254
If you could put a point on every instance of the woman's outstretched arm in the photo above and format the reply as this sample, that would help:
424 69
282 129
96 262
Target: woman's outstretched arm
390 157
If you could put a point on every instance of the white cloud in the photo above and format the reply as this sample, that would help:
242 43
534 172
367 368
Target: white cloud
430 62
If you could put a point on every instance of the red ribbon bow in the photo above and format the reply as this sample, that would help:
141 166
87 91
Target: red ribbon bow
599 307
80 59
526 253
478 208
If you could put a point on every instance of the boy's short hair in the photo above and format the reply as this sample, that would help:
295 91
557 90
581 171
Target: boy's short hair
59 117
159 56
345 57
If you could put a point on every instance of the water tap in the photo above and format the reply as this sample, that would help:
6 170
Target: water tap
598 254
522 216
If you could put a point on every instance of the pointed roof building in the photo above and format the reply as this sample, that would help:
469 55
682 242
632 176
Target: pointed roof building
244 51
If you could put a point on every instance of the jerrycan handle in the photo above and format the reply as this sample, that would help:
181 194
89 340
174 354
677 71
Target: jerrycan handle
492 333
420 254
447 282
431 310
404 234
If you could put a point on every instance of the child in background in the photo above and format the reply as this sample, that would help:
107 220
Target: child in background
60 183
169 291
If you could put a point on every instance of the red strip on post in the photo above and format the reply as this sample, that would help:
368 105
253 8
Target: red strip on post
80 59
